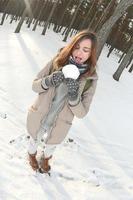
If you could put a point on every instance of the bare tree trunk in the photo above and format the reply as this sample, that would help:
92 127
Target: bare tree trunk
7 5
39 16
110 50
131 68
3 18
29 22
21 21
61 19
92 21
49 18
107 26
12 18
72 31
103 16
87 16
35 10
130 60
121 57
70 26
123 64
26 11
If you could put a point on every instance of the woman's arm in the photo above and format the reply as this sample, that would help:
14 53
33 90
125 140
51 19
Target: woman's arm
37 82
82 108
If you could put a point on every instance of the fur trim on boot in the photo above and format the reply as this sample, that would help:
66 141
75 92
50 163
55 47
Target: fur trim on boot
45 167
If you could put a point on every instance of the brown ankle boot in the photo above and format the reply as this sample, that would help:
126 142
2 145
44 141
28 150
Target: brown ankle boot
45 164
33 161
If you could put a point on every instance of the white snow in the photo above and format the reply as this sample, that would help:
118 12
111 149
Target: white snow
98 164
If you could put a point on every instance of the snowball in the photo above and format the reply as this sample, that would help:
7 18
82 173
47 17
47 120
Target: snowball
70 71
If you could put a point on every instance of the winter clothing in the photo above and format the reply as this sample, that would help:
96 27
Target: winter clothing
47 149
32 148
56 107
63 120
33 162
53 79
82 67
73 87
45 167
44 164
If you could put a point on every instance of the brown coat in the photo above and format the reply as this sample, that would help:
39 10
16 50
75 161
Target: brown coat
64 119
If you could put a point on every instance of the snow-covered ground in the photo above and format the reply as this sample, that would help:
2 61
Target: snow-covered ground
98 164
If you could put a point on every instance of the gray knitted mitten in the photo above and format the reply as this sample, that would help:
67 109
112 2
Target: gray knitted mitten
73 88
53 79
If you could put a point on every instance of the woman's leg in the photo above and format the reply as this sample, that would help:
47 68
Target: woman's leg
32 151
32 148
48 152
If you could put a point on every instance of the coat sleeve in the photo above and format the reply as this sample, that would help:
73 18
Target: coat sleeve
82 108
37 82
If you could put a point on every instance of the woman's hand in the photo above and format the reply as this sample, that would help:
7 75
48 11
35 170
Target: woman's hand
53 79
73 88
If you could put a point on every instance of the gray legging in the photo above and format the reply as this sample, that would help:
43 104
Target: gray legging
33 145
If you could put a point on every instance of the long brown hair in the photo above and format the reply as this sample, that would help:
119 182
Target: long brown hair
62 57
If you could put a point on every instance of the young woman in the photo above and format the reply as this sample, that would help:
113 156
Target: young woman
59 99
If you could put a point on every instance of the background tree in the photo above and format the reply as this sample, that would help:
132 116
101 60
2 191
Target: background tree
49 17
110 19
74 16
124 62
107 26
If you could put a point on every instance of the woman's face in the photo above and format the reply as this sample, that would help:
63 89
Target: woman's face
82 51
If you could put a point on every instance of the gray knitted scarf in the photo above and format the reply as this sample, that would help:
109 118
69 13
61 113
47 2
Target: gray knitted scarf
82 67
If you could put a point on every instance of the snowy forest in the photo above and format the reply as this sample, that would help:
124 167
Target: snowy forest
112 20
